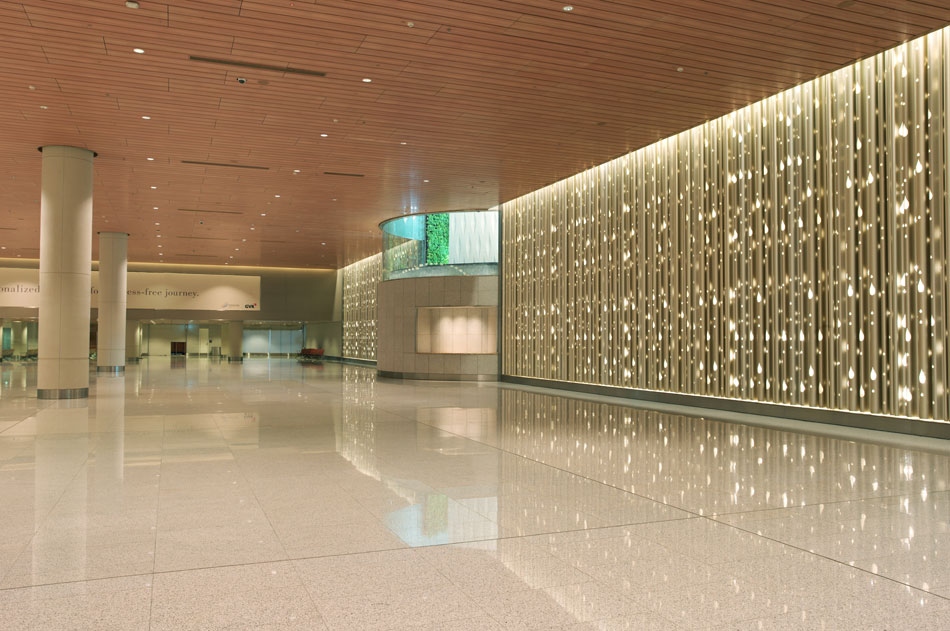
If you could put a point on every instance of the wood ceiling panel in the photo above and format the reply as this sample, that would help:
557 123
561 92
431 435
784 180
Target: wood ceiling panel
492 100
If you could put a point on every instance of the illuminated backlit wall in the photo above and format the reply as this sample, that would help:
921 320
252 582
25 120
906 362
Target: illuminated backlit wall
791 252
359 307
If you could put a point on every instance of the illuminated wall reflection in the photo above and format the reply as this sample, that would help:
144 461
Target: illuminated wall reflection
691 462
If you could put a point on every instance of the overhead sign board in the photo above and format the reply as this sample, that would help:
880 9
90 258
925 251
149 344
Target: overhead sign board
149 290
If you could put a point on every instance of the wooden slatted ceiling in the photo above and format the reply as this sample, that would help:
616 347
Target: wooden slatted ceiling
493 99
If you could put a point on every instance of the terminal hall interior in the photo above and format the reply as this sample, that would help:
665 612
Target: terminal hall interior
444 315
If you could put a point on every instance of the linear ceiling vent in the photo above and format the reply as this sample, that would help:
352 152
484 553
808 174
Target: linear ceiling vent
221 164
248 64
344 174
218 212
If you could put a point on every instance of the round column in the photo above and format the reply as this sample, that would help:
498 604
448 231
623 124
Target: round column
235 341
113 268
133 335
65 271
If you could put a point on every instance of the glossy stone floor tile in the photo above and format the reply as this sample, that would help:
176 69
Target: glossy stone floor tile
273 495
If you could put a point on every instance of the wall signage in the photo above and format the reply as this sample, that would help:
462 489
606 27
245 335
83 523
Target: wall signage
149 290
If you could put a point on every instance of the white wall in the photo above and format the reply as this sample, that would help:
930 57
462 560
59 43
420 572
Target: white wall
157 338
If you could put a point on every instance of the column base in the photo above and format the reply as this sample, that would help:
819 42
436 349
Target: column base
62 393
235 359
111 369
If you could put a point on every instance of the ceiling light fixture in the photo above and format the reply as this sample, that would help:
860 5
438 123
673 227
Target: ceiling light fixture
149 159
154 207
44 107
296 170
131 4
426 181
140 51
324 135
263 214
147 118
367 80
567 8
155 187
679 69
276 195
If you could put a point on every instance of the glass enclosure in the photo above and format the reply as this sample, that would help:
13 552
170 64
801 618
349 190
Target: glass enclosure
456 243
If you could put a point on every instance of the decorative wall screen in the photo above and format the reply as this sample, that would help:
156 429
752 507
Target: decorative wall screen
794 252
359 307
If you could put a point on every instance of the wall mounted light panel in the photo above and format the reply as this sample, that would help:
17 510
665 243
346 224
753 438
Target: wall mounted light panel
791 252
360 281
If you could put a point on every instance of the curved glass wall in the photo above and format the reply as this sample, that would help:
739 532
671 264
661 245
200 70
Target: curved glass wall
456 243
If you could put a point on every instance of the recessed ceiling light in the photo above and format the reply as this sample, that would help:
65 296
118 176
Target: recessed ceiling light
131 4
44 107
367 80
3 247
149 159
404 143
148 118
140 51
243 240
159 246
154 207
324 135
679 69
276 195
263 214
237 249
567 8
158 236
230 257
323 243
426 181
296 170
252 228
155 187
157 223
32 87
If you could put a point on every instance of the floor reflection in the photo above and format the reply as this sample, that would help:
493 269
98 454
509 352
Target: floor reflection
202 494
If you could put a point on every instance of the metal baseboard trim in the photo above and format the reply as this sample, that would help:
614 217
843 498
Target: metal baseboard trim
388 374
49 394
351 360
113 370
913 427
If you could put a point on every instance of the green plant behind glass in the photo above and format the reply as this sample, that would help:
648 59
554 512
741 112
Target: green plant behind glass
437 239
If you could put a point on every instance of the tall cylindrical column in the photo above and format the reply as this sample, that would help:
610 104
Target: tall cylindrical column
65 269
235 341
19 340
133 335
113 268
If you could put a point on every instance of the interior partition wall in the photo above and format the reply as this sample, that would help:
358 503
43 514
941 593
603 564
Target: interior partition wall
793 252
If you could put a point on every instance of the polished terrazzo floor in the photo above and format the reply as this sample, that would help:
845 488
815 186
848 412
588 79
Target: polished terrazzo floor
191 494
